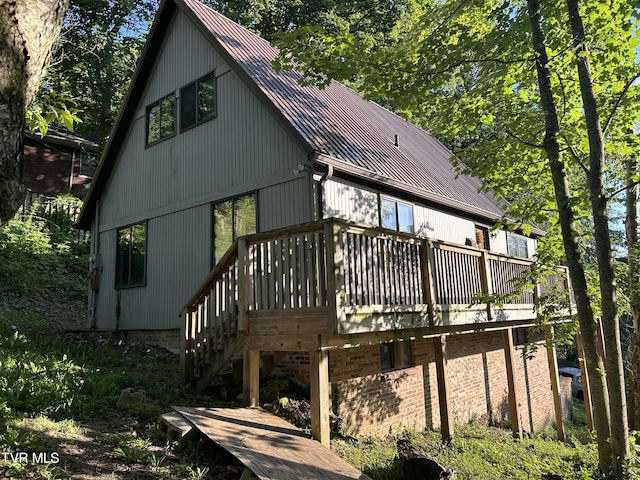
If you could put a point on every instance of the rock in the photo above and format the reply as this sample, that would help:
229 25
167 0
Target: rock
417 466
129 397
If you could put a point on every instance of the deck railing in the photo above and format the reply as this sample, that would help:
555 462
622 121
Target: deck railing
326 273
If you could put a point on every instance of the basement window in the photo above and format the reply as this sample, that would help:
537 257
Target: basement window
198 102
131 255
395 355
161 119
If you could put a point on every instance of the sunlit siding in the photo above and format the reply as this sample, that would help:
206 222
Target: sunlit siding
178 259
442 226
498 241
285 204
242 149
350 202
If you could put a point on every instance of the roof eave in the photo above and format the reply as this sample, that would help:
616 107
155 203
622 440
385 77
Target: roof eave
429 197
127 112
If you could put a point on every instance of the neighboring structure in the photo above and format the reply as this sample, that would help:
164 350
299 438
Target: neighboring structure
58 162
335 230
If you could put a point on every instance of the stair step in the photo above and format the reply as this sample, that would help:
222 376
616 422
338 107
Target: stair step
177 427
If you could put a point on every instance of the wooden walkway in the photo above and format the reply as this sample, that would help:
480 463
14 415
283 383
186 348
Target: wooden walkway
269 446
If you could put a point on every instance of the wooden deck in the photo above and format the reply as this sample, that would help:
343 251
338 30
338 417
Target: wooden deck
269 446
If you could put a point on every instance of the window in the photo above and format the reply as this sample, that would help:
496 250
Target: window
517 246
396 215
395 355
198 101
88 164
131 254
161 119
232 218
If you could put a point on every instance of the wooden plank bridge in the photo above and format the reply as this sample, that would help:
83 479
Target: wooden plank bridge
269 446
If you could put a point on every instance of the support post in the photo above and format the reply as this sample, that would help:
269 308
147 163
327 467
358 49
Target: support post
485 280
586 392
514 406
251 377
444 397
427 259
320 399
555 381
244 284
336 293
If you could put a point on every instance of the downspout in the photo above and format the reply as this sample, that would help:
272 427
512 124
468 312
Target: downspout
326 177
73 165
95 268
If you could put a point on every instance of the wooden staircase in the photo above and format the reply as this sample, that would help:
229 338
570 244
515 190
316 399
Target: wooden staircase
211 336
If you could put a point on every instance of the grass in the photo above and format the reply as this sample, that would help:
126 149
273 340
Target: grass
60 394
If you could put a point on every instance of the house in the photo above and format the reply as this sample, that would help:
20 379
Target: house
58 162
311 230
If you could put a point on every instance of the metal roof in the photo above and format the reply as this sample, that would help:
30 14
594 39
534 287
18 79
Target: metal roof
339 123
335 125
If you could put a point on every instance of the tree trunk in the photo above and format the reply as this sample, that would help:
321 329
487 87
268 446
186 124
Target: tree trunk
631 227
28 30
570 237
610 323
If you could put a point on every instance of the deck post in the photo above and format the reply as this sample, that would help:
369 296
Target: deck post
444 397
320 401
427 259
555 381
586 392
485 280
336 293
244 284
251 377
514 406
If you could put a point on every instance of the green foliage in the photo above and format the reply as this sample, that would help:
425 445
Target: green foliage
96 57
479 452
41 255
50 108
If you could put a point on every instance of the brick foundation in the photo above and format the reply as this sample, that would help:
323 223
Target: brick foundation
371 402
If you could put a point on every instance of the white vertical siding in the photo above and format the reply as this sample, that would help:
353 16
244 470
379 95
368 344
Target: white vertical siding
498 241
350 202
442 226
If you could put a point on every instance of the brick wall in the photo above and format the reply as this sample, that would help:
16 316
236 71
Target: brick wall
369 401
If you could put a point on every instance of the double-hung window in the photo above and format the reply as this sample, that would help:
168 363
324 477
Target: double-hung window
198 101
161 119
396 215
232 218
517 246
131 255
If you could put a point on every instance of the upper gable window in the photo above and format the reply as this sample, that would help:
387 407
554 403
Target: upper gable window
396 215
161 119
198 101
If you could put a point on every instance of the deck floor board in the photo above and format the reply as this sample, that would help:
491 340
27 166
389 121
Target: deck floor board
269 446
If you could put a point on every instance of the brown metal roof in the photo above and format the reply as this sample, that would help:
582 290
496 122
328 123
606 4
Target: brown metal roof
339 123
335 125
